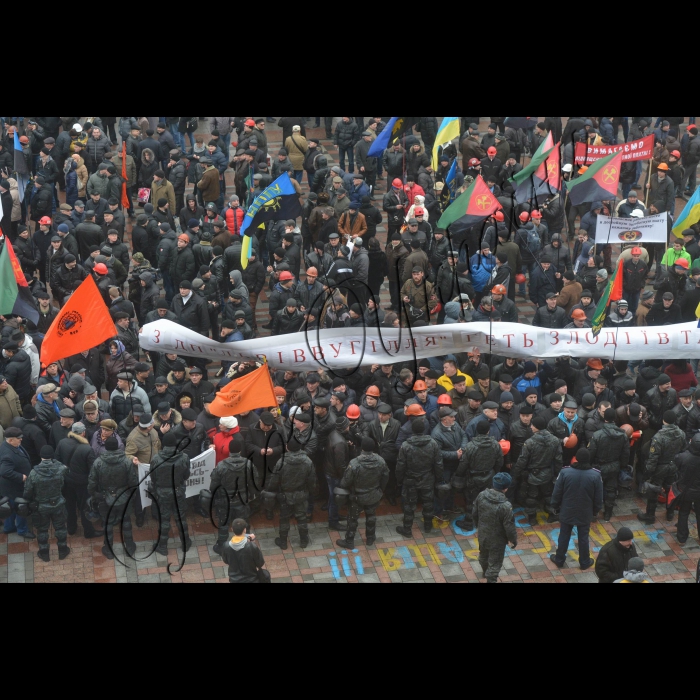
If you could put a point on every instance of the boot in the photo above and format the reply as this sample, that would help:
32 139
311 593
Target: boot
647 519
608 513
140 519
371 537
130 548
346 544
107 553
43 554
465 525
218 548
304 540
188 544
96 535
551 518
428 525
334 526
63 553
670 516
408 534
532 519
281 542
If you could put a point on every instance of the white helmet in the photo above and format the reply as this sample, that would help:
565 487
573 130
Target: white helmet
77 128
637 214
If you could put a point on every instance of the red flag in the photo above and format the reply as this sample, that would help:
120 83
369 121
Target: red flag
549 171
83 323
126 202
617 291
16 267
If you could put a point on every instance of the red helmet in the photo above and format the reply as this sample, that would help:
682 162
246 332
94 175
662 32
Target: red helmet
520 279
286 276
445 400
474 162
572 442
628 429
414 411
682 262
374 391
636 251
537 214
420 211
525 217
101 269
492 151
45 221
505 446
353 412
499 216
676 154
397 183
499 289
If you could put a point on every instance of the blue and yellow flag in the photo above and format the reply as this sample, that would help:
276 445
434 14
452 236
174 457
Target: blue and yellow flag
449 131
690 215
395 129
277 202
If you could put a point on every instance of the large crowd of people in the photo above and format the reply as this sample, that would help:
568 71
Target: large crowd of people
152 209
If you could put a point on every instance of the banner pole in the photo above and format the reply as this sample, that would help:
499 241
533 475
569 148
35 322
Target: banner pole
646 203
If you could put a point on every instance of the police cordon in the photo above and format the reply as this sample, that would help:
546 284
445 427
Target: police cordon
350 348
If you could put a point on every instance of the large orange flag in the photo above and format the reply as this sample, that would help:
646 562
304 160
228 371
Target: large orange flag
83 323
249 393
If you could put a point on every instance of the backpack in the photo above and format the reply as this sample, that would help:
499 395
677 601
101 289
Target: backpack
534 242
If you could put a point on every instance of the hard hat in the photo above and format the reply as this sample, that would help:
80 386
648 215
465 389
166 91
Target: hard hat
353 412
676 154
397 183
662 166
583 170
499 216
571 442
45 221
414 411
374 391
286 276
499 289
101 269
636 251
537 214
629 430
525 217
579 315
492 151
446 400
505 446
682 262
420 386
637 214
520 279
474 162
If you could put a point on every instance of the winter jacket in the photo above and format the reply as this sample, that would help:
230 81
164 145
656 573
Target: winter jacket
613 560
493 517
419 462
75 452
14 465
578 495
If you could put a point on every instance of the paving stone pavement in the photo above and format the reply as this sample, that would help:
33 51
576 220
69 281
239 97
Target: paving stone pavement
447 555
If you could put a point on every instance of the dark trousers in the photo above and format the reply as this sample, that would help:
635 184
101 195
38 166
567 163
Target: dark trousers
353 517
534 495
170 505
687 503
395 291
298 509
410 495
46 517
225 517
584 545
491 556
120 517
76 495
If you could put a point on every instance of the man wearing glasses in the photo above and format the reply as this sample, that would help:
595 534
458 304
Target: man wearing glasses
15 467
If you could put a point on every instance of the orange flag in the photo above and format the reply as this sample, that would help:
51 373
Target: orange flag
617 292
126 202
83 323
249 393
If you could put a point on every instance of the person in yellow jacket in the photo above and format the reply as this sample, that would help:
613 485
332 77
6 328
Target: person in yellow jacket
636 573
451 371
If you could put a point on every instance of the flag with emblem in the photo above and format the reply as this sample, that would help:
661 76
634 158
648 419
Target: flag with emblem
277 202
395 129
599 183
530 179
15 296
613 292
249 393
472 207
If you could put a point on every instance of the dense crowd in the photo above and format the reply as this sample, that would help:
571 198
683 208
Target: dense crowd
466 435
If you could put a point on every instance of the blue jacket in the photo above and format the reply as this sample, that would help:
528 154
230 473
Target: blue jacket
522 384
14 464
578 495
481 268
498 428
219 160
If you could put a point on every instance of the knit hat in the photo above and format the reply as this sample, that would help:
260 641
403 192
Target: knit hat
663 379
583 456
502 481
636 564
507 397
602 273
368 445
46 452
670 418
529 368
483 427
279 391
229 423
625 535
111 445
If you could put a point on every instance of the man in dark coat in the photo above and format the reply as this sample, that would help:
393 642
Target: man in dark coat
688 465
614 557
578 497
385 439
191 310
15 467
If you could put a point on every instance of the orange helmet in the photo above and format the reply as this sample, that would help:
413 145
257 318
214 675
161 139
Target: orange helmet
445 400
499 289
414 411
662 166
353 412
572 442
505 446
629 430
374 391
420 386
579 315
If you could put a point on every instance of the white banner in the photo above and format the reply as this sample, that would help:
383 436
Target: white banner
350 348
651 229
200 477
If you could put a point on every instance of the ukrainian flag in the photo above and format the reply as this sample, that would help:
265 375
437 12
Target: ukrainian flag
690 215
449 130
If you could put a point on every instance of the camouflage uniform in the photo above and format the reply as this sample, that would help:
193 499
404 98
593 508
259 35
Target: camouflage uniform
493 516
293 479
366 478
541 461
661 467
170 471
44 489
114 481
610 451
481 461
234 485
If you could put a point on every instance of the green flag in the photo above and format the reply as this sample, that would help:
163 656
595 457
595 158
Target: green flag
8 285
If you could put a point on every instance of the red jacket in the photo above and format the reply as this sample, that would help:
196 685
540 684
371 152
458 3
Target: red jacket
411 193
234 220
221 442
681 379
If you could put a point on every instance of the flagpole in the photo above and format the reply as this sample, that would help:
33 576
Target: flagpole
646 203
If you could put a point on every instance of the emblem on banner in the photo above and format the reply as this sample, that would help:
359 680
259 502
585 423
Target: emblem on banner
631 236
484 202
609 175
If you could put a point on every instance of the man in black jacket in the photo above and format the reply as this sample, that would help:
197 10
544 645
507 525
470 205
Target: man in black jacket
75 452
614 558
385 439
191 310
244 558
688 464
667 313
347 134
550 315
